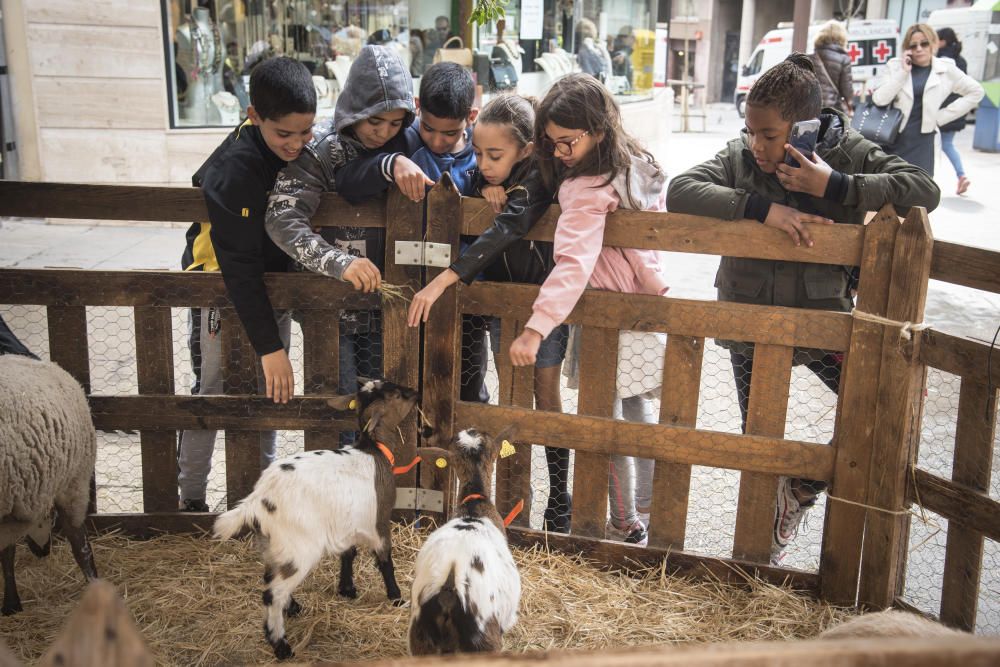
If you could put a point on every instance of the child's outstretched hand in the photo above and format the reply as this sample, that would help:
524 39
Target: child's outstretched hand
524 349
420 307
496 196
788 220
364 275
811 178
410 179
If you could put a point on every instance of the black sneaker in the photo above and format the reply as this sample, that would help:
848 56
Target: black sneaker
194 505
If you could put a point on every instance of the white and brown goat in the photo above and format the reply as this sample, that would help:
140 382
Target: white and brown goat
326 502
466 587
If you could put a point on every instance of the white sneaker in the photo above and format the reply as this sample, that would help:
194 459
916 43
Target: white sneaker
634 534
788 515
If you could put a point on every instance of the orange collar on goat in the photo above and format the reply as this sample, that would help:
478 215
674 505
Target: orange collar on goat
510 517
397 470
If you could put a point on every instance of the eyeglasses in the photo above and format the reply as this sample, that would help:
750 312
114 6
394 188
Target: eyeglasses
563 148
920 45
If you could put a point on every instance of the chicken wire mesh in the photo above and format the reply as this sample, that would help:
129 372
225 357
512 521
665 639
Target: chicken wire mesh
925 566
714 492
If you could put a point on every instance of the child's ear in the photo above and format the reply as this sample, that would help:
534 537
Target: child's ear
528 149
473 115
253 115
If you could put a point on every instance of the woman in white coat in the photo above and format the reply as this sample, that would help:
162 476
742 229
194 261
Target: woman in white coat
917 85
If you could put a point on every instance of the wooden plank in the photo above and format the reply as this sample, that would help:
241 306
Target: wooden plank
82 50
154 353
239 376
897 429
178 289
956 355
68 341
598 370
321 368
102 103
841 555
152 524
513 476
771 325
678 407
977 417
105 13
619 556
772 370
259 413
957 503
937 652
662 442
835 244
400 343
978 268
140 203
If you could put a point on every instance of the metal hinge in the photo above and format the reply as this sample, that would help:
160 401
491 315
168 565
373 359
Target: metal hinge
419 499
423 254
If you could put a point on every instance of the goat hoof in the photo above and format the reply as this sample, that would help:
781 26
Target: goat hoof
397 602
282 649
11 609
293 608
348 592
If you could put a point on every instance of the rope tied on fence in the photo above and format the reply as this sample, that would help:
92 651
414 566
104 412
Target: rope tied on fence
906 329
868 507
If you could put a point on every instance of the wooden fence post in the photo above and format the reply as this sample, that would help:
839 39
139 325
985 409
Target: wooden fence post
963 561
678 407
154 354
772 370
239 377
517 388
400 343
598 367
845 523
897 427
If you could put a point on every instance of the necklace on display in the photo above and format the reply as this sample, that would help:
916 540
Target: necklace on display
205 62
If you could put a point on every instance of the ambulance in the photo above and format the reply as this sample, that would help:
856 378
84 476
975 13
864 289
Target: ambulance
870 44
978 29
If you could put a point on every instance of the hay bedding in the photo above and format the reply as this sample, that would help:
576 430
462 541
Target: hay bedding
196 601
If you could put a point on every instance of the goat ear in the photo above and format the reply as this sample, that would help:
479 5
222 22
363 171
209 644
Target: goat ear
346 402
375 418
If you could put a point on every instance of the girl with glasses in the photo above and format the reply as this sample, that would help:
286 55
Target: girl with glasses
918 84
596 167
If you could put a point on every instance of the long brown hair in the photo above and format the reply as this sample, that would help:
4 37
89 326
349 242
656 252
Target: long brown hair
581 102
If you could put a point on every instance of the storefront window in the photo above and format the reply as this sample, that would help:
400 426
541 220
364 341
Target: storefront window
213 45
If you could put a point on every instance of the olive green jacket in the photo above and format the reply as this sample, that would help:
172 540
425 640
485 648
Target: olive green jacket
720 187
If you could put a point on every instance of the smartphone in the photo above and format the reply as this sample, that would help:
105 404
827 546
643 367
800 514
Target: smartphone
804 136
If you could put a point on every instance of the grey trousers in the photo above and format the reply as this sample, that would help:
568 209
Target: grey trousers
630 483
194 459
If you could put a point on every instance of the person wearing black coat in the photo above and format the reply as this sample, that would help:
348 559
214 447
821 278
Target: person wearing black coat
950 47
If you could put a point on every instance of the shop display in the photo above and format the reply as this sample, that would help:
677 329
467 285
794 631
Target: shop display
199 57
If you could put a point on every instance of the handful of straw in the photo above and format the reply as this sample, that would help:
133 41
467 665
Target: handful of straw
390 291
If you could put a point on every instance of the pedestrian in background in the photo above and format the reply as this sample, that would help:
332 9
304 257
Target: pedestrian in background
950 47
833 67
917 84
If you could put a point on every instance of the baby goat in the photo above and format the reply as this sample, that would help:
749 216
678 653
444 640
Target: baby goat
466 588
326 502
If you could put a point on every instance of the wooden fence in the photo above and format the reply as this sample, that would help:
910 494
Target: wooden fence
867 465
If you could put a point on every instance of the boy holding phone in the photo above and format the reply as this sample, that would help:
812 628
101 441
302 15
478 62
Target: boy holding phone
844 177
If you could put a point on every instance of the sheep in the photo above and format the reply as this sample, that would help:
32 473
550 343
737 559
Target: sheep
326 502
466 587
889 624
47 451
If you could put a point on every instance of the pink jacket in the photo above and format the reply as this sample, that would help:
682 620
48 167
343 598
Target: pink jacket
581 259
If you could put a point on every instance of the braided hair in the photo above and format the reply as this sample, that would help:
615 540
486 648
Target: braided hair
790 87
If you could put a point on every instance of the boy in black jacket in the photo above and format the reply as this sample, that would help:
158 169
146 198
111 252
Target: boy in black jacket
235 181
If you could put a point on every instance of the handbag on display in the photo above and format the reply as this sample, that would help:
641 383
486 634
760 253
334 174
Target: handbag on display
461 55
878 124
503 76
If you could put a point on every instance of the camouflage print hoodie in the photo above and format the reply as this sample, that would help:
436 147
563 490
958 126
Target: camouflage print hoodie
335 160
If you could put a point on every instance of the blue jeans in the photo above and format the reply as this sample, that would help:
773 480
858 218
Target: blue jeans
948 146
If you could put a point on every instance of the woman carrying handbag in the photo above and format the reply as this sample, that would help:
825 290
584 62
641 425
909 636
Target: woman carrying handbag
917 84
